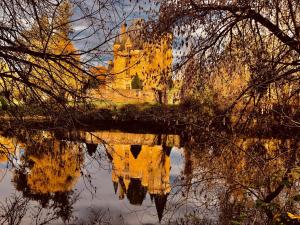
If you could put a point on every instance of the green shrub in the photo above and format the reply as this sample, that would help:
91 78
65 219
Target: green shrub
136 83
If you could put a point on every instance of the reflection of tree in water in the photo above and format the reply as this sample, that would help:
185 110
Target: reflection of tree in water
55 171
9 150
12 210
48 172
15 208
246 179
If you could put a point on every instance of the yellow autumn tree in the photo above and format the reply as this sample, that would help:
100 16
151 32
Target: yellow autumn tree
59 76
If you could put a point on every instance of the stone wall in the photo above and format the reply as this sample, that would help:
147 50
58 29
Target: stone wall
131 96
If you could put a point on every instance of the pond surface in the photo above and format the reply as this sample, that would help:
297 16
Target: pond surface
114 177
80 176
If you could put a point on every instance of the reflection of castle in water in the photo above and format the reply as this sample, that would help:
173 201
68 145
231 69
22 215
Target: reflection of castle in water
140 165
140 169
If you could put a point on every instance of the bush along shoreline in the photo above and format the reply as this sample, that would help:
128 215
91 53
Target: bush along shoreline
147 118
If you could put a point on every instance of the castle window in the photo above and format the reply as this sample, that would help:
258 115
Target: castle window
128 86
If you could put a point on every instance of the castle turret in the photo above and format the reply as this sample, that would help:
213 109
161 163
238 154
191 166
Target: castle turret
117 47
110 65
128 44
123 28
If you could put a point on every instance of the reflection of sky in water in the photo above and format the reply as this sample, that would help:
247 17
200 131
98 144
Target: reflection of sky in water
177 161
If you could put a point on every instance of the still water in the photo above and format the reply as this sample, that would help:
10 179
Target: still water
114 177
79 177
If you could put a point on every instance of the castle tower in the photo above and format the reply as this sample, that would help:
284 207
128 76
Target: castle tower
123 29
134 55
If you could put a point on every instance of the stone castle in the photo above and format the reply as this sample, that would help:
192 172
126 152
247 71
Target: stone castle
140 69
